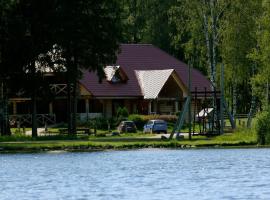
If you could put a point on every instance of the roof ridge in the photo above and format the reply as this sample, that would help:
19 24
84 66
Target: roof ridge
137 44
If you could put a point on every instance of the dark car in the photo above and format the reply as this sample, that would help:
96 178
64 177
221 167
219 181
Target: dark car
127 127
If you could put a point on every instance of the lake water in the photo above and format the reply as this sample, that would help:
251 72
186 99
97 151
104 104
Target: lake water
140 174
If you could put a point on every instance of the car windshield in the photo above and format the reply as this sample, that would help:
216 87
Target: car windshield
129 124
149 123
160 122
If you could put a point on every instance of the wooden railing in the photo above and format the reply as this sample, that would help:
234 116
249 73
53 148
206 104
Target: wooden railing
26 119
59 89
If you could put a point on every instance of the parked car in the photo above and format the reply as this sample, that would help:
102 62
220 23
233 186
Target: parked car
127 126
155 126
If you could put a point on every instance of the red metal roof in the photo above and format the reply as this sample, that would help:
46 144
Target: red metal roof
141 57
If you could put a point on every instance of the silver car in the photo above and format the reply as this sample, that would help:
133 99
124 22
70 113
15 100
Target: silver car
155 126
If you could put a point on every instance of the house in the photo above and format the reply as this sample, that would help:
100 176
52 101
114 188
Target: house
144 79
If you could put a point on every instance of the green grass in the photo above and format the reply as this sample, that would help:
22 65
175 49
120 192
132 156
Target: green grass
19 143
18 131
25 138
55 141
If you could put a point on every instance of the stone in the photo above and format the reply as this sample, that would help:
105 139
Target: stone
115 133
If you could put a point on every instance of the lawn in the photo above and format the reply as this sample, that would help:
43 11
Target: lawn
20 143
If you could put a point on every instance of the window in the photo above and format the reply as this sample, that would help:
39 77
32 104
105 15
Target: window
114 74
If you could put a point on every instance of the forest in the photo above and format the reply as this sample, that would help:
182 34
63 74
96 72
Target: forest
203 33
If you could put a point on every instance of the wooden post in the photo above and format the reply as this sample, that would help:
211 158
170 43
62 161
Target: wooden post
149 107
87 105
51 108
14 104
87 109
155 106
176 106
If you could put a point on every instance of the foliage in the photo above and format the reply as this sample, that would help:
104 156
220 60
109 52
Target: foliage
122 113
263 127
86 33
138 120
102 123
238 40
260 53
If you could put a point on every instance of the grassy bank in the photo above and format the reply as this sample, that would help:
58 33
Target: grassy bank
240 138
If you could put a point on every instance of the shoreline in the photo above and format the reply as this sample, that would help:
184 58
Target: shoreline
87 146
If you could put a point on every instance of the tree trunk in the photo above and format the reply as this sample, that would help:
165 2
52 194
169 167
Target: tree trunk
211 40
207 40
234 104
2 108
34 111
214 40
69 110
74 113
267 93
74 96
4 119
252 111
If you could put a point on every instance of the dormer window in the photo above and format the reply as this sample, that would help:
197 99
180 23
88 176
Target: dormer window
116 79
114 74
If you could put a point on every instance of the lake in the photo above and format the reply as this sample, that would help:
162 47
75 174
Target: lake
137 174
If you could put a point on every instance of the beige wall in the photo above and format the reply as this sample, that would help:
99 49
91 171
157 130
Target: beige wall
107 108
166 107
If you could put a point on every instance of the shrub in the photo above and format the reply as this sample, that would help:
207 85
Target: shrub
167 118
263 127
122 112
138 120
102 123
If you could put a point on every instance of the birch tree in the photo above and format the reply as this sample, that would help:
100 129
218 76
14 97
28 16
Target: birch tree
198 25
238 39
261 54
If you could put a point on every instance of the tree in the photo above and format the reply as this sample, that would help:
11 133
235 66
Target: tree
10 39
133 19
88 33
261 54
238 30
198 30
34 20
148 22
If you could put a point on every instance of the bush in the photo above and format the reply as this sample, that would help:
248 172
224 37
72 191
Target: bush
263 127
122 112
138 120
102 123
167 118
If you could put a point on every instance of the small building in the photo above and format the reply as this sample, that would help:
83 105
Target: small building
144 79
